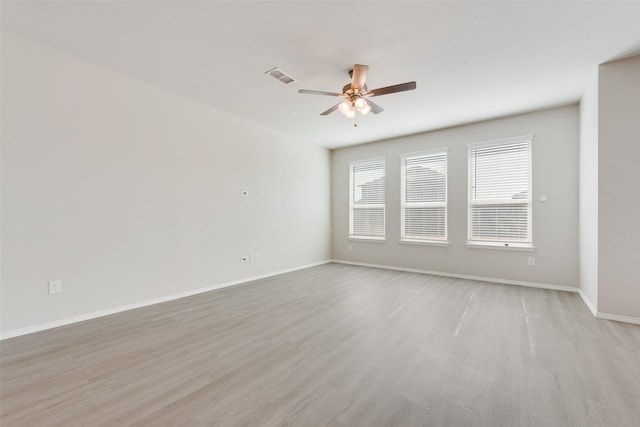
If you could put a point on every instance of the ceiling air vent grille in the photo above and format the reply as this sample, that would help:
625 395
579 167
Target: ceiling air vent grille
280 76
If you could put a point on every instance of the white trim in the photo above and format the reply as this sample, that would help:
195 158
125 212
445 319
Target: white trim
597 314
464 276
618 318
423 242
500 246
367 239
588 302
424 153
501 141
607 316
369 160
109 311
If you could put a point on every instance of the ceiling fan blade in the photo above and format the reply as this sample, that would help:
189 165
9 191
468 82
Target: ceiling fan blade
319 92
359 76
392 89
375 108
330 110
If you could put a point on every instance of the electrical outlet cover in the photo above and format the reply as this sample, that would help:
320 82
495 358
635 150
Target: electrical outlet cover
55 287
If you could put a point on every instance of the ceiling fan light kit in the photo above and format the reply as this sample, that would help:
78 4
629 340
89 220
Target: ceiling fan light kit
362 106
355 92
346 108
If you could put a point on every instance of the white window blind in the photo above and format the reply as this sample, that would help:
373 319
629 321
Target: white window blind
500 192
424 196
367 199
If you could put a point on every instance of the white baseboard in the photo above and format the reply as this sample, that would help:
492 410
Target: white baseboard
588 303
618 318
607 316
107 312
464 276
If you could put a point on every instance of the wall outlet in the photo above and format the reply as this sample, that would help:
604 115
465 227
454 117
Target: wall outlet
244 259
531 261
55 287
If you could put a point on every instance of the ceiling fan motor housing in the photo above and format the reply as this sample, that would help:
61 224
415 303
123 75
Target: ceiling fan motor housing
346 89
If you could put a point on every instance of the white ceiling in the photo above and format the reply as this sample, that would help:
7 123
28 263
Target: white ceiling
471 60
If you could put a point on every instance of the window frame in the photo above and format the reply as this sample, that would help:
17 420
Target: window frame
404 204
501 243
353 206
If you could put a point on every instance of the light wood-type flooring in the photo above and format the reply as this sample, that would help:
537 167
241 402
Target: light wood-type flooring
333 345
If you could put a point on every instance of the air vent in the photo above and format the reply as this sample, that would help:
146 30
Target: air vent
280 76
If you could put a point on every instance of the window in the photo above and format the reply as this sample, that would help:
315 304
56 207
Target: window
500 192
424 196
366 196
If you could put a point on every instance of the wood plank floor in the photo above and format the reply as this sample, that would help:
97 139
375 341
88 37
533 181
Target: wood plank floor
332 345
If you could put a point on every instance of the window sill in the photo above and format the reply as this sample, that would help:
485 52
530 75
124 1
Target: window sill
500 246
423 242
368 239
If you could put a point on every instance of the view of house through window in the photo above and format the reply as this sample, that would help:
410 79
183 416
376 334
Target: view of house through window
367 199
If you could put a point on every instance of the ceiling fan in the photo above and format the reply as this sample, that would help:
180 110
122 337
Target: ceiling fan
356 94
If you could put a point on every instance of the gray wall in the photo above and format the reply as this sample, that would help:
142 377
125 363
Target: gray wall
588 160
618 178
555 223
127 192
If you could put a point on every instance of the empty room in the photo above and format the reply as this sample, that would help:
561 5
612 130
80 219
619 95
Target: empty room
320 213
